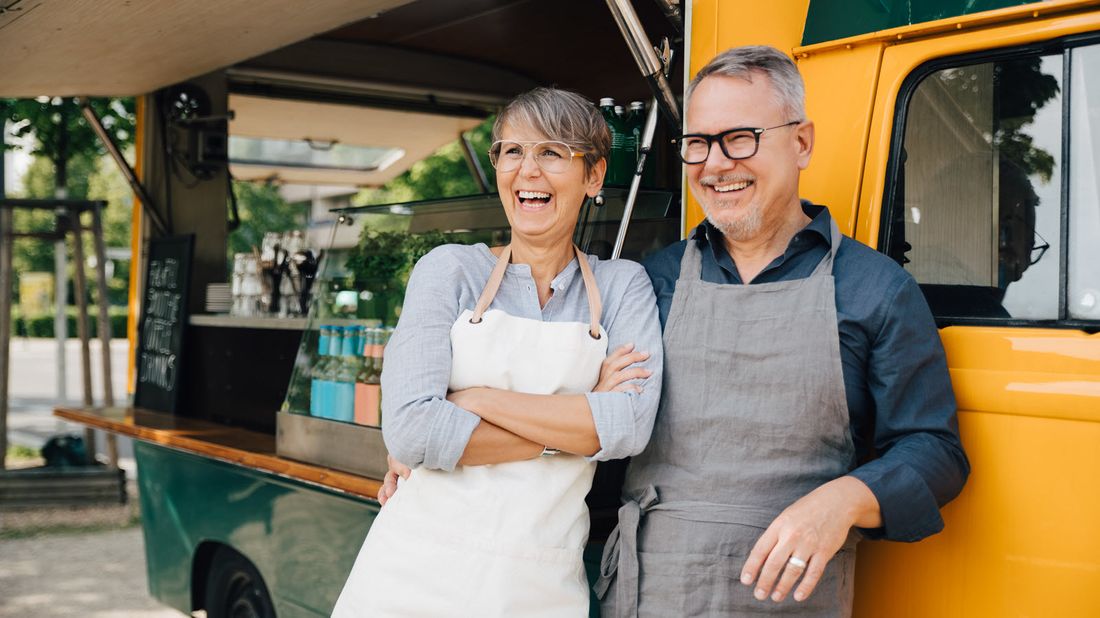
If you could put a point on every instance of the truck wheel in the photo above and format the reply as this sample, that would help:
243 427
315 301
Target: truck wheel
234 588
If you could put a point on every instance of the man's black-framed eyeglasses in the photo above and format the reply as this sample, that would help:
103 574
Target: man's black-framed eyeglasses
737 143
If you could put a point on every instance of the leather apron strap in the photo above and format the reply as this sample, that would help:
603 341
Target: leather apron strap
595 305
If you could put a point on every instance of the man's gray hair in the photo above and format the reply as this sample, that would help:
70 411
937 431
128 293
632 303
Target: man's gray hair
563 116
744 62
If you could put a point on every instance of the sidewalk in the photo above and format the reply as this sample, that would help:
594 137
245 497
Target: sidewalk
92 574
86 561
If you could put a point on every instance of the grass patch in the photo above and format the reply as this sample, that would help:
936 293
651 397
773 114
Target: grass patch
19 452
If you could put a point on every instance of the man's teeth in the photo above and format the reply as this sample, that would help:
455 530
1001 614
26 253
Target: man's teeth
737 186
533 195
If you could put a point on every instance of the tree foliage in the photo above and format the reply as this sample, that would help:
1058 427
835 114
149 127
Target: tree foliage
68 155
61 134
443 174
261 209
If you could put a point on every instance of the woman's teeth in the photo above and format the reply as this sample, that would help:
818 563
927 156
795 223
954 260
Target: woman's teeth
533 196
736 186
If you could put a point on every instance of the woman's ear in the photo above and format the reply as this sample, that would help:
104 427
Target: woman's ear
595 177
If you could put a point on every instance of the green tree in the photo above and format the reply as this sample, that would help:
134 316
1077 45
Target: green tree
261 209
443 174
61 134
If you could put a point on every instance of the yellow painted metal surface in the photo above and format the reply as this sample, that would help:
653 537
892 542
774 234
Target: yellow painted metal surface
133 306
717 25
840 91
1022 539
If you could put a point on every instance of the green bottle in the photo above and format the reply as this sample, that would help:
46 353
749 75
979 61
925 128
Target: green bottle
617 161
636 125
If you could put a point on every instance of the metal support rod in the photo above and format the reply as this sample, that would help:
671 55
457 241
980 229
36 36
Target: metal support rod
60 294
646 57
6 241
474 163
104 323
127 172
6 220
632 195
82 327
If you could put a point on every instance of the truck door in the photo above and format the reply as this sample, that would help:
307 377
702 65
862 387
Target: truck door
983 185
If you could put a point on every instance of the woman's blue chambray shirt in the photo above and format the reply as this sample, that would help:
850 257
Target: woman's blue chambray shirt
422 428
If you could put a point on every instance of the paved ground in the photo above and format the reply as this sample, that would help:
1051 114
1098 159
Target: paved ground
69 562
93 575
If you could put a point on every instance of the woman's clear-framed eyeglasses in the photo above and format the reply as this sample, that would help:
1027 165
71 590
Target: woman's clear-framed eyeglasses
738 143
551 156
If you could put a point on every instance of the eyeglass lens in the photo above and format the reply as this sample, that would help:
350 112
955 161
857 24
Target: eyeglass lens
736 145
553 157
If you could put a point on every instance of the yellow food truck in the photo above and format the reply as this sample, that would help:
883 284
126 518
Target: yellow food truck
960 138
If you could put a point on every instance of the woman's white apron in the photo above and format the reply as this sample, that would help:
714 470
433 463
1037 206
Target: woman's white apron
493 540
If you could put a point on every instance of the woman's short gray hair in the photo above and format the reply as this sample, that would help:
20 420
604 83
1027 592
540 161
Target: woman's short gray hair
563 116
743 62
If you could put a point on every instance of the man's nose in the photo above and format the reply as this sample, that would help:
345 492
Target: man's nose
717 160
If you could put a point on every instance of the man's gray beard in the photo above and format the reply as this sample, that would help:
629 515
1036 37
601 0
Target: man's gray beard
738 229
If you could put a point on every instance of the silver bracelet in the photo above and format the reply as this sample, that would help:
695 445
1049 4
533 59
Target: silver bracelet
549 452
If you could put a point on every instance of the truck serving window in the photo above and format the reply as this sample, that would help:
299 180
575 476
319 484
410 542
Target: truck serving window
978 208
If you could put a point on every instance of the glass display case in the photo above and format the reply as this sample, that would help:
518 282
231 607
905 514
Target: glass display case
331 415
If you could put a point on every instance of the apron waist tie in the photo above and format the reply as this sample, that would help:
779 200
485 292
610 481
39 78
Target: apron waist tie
621 560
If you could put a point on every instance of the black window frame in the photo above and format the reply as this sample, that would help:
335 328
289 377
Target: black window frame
890 205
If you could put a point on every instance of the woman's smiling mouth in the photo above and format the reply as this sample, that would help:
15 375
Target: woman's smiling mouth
532 200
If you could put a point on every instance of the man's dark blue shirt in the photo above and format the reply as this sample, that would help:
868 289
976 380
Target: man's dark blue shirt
900 402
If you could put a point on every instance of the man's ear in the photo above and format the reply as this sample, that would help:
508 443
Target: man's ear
595 178
804 135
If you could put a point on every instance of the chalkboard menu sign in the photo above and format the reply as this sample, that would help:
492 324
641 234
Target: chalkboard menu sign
163 318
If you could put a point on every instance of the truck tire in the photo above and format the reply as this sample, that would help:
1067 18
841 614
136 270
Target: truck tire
234 588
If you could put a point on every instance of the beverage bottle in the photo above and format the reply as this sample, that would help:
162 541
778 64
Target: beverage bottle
615 126
328 372
343 407
637 126
367 388
316 391
380 353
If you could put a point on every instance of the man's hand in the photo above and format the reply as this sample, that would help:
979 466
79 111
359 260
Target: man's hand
389 482
805 536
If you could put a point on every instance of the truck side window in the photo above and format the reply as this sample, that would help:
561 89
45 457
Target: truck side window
1084 178
976 208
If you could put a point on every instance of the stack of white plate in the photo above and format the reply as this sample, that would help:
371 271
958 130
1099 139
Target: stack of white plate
218 298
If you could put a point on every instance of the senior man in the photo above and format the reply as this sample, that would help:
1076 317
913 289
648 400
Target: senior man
806 397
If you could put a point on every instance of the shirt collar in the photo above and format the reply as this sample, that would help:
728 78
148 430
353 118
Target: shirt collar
819 229
819 226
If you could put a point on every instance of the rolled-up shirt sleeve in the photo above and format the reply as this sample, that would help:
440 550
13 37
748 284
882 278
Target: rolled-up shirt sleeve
420 427
921 464
624 421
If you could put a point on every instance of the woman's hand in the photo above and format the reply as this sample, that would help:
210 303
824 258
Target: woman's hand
389 482
616 371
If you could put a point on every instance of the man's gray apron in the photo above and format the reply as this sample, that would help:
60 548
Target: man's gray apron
753 416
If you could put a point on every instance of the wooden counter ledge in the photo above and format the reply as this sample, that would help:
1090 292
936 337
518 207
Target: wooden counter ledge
246 448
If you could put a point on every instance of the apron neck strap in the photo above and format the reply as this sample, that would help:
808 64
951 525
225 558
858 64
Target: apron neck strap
691 265
826 263
595 305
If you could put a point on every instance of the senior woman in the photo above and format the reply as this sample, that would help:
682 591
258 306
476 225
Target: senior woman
499 391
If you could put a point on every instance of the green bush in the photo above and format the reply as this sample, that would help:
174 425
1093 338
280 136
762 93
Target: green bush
41 325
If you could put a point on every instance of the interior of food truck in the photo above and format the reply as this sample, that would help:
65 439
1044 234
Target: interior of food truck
338 93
